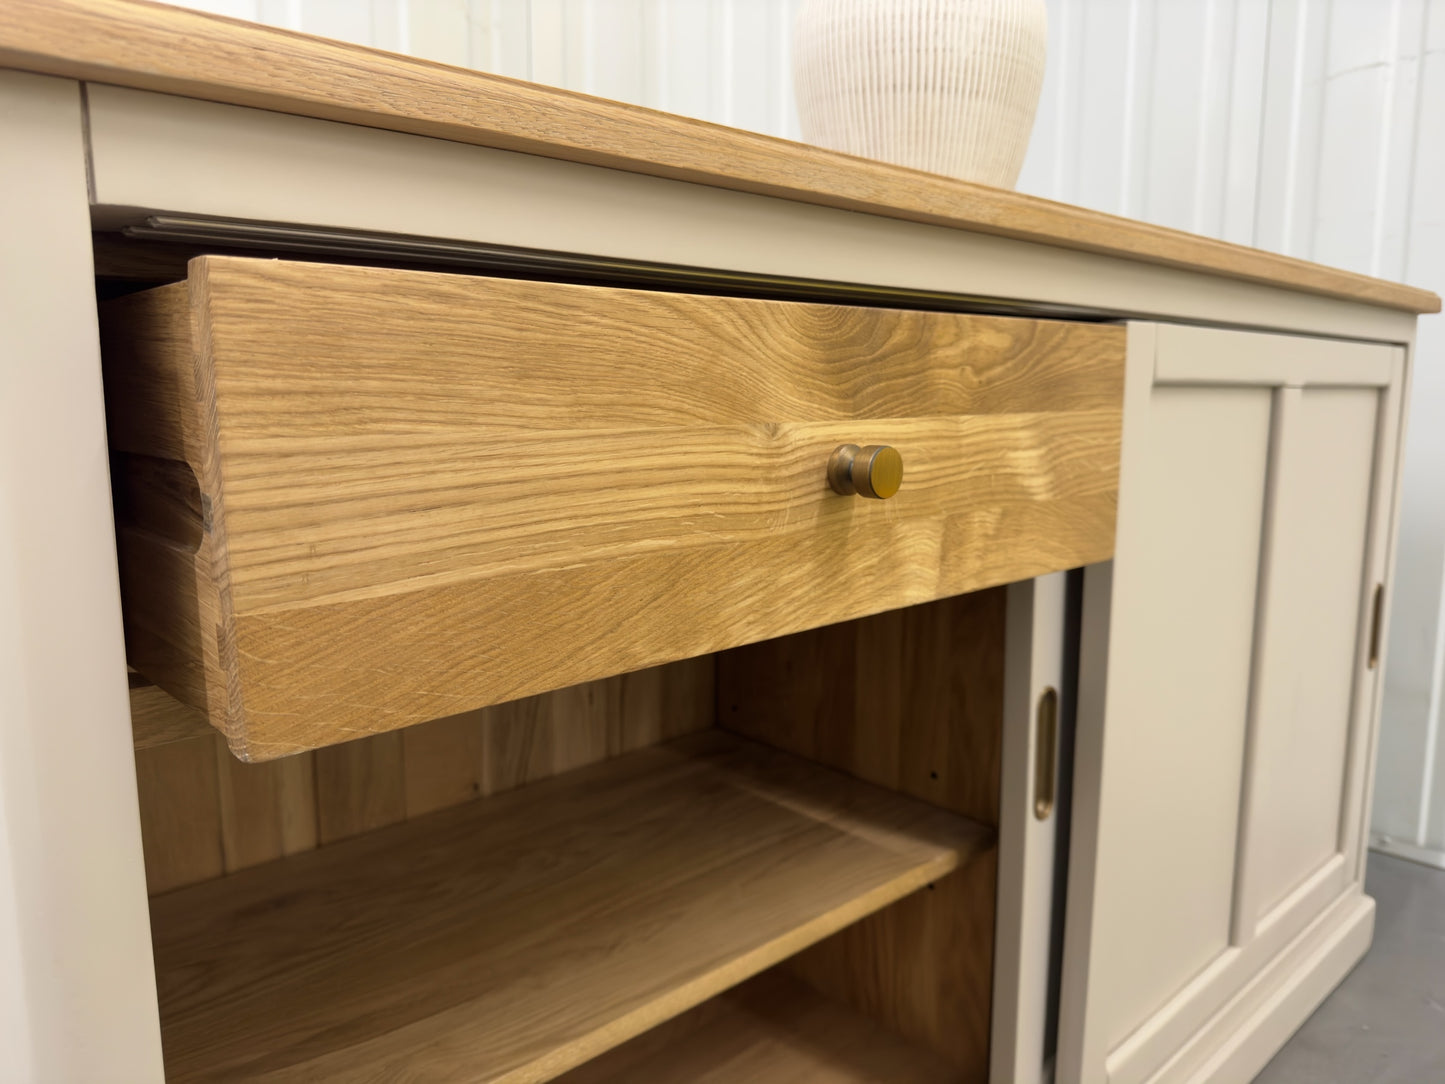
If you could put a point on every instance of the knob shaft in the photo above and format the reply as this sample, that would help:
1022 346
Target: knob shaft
875 470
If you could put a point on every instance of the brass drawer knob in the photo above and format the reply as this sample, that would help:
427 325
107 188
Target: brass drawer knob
872 471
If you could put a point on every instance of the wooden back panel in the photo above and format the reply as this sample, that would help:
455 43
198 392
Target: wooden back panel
205 814
912 700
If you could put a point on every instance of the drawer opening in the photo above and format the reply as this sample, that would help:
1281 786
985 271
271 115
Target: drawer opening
773 854
142 250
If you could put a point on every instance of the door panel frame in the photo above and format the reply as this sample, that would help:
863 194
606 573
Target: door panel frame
1255 358
1235 1011
1292 912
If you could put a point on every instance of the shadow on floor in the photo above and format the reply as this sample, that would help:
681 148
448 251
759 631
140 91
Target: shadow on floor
1386 1022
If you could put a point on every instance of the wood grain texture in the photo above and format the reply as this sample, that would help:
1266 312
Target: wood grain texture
150 398
923 967
267 810
206 813
515 939
773 1029
515 486
444 762
910 699
153 47
171 613
167 549
171 604
157 718
360 785
180 812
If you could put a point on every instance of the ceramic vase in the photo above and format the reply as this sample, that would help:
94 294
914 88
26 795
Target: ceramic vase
948 86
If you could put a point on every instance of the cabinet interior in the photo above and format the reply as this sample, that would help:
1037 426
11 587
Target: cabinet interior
745 856
771 863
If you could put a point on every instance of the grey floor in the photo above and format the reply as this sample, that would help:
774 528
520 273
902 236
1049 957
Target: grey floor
1386 1022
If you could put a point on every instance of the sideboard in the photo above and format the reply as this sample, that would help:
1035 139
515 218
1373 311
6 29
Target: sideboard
503 585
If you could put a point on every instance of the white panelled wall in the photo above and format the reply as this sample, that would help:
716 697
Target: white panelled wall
1310 127
727 61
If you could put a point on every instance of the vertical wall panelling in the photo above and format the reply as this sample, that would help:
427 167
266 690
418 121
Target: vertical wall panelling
582 45
286 13
1212 107
1398 151
501 37
654 39
1358 99
1043 169
1103 115
1309 127
785 116
1302 174
440 30
750 30
547 41
1248 54
1139 104
616 43
1412 679
344 19
1175 119
726 61
722 106
1410 787
1282 122
1425 262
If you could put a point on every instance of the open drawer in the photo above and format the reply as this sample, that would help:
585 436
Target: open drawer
350 499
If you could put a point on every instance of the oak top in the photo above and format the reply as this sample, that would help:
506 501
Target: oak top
135 43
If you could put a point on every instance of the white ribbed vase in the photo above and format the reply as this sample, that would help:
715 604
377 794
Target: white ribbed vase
950 86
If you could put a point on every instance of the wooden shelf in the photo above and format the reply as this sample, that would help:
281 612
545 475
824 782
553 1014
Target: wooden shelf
773 1029
514 938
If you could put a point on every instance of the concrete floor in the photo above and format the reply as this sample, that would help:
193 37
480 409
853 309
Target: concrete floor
1386 1022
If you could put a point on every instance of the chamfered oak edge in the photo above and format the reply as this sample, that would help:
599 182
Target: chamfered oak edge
150 46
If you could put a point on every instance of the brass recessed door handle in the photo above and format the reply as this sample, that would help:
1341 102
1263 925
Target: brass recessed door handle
1046 754
1376 612
875 470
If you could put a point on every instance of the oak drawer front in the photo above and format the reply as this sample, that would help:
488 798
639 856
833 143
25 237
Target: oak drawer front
351 499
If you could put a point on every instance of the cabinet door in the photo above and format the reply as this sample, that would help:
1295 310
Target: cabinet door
1227 703
1037 695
